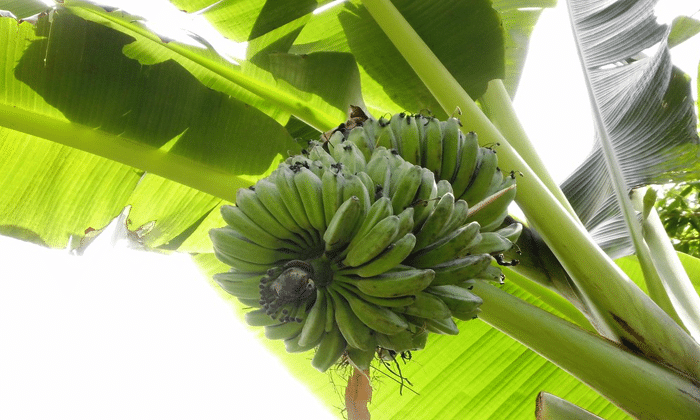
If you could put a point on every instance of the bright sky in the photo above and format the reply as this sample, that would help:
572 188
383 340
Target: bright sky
124 334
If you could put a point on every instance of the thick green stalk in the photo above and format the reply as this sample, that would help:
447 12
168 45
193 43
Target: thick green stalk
639 386
549 297
157 161
283 100
621 311
676 286
499 108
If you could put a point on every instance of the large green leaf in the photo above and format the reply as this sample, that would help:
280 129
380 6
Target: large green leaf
479 374
645 121
68 81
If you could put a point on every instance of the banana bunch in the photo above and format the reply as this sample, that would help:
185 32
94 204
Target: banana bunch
356 246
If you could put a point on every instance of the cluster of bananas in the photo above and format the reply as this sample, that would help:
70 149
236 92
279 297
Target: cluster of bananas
354 247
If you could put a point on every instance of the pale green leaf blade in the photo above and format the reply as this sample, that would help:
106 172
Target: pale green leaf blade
67 81
646 126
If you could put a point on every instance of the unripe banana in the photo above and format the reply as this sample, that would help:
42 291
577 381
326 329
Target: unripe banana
391 257
405 222
432 147
373 243
463 304
380 210
271 198
458 218
235 217
384 135
315 324
426 305
460 269
445 325
430 231
359 138
395 302
230 242
331 347
490 243
350 157
449 247
370 186
377 318
467 164
406 188
356 333
482 178
444 187
379 170
511 232
241 285
316 153
343 225
354 186
490 211
426 197
403 341
310 188
360 359
394 283
332 192
452 139
249 202
410 140
259 318
283 331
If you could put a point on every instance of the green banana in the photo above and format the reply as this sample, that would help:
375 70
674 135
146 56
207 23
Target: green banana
310 189
458 218
315 324
356 333
403 341
391 257
350 282
449 247
483 176
452 140
394 283
316 153
430 231
259 318
426 305
444 187
235 217
373 243
379 170
462 302
343 225
491 243
410 140
511 232
377 318
228 241
329 350
283 331
405 222
404 193
241 285
380 210
432 147
241 265
490 273
354 186
369 185
249 202
271 198
385 135
291 198
490 210
358 136
292 344
426 197
445 325
350 156
467 164
360 359
332 192
335 141
460 269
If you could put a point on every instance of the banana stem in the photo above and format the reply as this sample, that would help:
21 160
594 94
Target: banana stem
499 108
621 311
639 386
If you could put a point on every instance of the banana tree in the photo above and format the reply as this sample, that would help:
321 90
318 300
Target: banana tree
99 111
